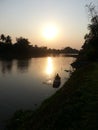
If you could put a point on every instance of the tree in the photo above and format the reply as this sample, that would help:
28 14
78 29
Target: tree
8 40
93 27
2 37
22 41
89 51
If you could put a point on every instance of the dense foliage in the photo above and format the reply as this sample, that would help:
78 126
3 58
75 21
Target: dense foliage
89 51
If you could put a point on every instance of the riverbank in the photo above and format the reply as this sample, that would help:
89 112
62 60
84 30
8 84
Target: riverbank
73 107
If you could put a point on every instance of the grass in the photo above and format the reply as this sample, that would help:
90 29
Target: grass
73 107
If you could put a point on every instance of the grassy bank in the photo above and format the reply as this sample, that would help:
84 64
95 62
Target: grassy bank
73 107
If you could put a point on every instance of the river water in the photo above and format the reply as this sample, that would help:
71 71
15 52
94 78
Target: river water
24 84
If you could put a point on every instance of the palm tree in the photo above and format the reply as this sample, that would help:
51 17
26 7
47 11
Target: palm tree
3 38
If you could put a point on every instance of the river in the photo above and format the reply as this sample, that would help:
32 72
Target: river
24 84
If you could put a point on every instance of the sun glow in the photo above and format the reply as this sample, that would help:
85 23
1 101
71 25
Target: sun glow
49 69
50 32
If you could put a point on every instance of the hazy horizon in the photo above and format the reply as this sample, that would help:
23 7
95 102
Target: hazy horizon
31 19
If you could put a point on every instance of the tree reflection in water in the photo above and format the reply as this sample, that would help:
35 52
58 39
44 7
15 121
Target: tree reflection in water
6 66
23 65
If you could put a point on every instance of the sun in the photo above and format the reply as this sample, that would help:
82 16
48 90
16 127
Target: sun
50 32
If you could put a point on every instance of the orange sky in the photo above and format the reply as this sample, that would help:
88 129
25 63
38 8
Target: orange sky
28 18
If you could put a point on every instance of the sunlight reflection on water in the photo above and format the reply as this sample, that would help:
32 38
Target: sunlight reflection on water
49 67
49 71
24 83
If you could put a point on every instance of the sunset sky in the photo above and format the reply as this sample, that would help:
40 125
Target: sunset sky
51 23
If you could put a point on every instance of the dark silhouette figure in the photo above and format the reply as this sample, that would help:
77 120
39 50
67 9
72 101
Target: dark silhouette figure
57 76
57 81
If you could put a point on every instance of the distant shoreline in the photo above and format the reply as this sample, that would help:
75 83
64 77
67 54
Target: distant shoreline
36 56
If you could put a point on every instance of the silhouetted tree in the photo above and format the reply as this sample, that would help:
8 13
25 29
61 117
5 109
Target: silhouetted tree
22 41
23 49
3 38
8 40
69 50
89 51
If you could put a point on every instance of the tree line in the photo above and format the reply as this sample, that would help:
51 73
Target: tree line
22 48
